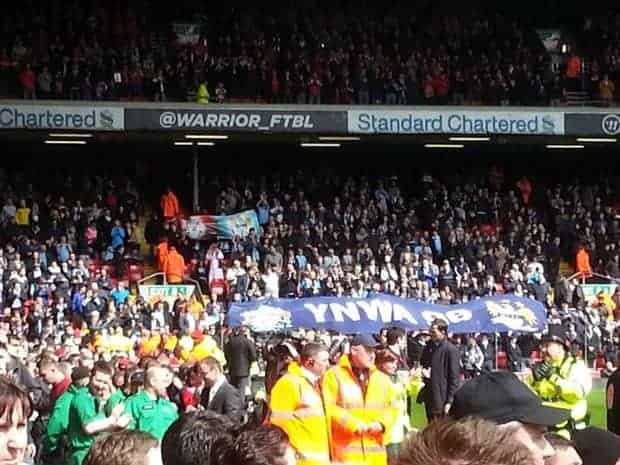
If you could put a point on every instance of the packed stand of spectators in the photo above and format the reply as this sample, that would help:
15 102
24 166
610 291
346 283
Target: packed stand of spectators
335 52
65 258
448 242
71 326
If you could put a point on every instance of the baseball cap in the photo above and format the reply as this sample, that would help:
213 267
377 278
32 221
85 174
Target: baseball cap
597 447
365 340
501 397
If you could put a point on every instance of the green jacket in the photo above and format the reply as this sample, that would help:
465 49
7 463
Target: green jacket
58 423
84 409
118 397
150 416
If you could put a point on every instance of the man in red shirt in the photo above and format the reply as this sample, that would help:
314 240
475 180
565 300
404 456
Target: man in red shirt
53 374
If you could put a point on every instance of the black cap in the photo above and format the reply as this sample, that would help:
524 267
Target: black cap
556 333
365 340
501 397
597 447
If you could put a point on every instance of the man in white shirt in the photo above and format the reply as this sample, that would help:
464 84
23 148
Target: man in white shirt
272 283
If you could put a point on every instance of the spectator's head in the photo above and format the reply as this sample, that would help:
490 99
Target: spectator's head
263 445
464 442
101 384
50 371
396 336
565 453
554 344
502 398
387 361
363 348
211 370
15 409
190 439
315 358
124 448
80 376
439 329
157 379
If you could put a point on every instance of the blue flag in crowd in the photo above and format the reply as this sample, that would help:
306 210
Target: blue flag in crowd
369 315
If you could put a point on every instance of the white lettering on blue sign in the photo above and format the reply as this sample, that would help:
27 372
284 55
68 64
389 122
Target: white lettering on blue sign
318 311
375 308
349 309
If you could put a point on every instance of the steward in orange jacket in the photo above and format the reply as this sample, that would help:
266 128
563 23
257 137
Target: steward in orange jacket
175 267
361 406
583 262
296 406
162 254
169 205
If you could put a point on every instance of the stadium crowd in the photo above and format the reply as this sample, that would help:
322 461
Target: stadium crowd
70 312
313 53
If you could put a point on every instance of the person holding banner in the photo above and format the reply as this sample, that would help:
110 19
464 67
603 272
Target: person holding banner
359 405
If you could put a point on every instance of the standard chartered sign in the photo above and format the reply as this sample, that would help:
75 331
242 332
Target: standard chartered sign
61 117
455 122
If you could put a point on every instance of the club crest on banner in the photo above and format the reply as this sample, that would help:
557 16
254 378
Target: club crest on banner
266 318
514 315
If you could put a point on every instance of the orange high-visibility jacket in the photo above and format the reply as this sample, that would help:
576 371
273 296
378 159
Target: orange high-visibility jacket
348 409
296 406
169 205
162 255
175 267
583 263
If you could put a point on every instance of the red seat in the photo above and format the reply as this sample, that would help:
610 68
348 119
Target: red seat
134 268
502 360
108 268
136 275
219 287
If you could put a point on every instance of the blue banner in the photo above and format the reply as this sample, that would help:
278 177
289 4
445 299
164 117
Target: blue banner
370 315
199 227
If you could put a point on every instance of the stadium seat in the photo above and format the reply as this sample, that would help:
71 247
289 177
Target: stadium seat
219 287
136 272
108 268
502 360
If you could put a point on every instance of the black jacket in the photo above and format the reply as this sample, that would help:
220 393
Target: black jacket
443 360
613 413
227 401
489 356
514 356
240 353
